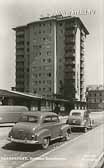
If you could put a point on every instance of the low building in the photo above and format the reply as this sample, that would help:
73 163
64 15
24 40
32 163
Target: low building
95 97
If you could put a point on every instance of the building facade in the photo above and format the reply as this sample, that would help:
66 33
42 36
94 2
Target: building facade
95 97
50 57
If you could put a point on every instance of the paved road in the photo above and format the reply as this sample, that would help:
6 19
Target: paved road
14 156
78 153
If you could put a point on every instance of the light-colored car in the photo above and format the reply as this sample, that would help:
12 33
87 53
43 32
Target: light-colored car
79 119
39 128
11 114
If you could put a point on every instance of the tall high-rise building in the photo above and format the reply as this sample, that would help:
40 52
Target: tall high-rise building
50 57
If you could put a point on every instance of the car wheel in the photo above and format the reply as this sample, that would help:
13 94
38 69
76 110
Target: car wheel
45 143
85 129
67 136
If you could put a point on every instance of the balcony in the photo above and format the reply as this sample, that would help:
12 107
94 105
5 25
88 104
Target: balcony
82 45
82 59
82 38
70 48
20 59
70 55
19 39
81 66
69 69
72 77
82 72
69 40
20 33
20 52
20 46
69 33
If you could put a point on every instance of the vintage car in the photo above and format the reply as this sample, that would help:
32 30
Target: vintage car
79 119
39 128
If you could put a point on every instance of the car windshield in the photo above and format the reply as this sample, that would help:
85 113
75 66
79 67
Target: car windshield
27 118
76 114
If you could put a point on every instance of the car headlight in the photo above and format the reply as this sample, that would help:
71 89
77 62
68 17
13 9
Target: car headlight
10 133
34 137
83 122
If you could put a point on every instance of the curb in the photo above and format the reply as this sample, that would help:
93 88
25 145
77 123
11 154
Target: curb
99 162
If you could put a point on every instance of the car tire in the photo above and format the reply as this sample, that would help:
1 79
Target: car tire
67 135
85 129
45 143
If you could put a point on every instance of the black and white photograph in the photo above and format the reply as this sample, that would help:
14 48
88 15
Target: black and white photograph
51 84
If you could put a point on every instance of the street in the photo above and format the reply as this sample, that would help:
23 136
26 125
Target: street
79 153
12 156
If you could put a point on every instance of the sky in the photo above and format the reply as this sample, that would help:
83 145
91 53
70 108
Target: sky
20 12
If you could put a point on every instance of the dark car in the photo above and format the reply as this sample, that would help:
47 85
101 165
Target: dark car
80 119
39 128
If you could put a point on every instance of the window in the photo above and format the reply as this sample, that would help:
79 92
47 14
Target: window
100 100
49 74
43 60
44 38
28 49
27 69
100 94
43 81
60 24
55 119
43 89
49 81
60 60
76 114
27 118
39 74
49 60
40 82
27 42
47 119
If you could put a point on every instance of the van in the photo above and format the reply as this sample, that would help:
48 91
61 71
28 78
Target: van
11 114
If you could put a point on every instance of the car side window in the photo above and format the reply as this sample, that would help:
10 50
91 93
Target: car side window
55 119
86 115
47 119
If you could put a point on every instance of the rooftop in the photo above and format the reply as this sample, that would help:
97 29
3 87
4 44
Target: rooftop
55 18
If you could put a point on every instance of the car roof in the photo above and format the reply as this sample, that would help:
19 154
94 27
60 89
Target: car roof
38 113
78 111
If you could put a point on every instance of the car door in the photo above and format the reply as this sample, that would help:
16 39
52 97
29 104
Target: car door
56 126
51 123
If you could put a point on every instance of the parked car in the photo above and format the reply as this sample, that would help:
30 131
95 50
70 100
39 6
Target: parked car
79 119
39 128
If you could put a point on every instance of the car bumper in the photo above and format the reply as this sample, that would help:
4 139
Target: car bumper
77 126
25 141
